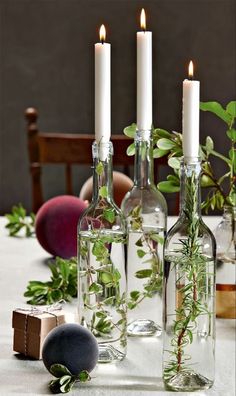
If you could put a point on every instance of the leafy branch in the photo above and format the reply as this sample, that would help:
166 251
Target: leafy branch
65 380
18 220
63 284
221 190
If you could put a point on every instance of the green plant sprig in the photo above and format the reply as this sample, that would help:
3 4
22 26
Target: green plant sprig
152 274
221 190
191 266
65 380
18 220
62 286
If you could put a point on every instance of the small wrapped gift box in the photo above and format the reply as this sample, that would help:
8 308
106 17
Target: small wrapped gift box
32 326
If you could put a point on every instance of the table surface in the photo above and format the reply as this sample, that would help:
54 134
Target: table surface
139 374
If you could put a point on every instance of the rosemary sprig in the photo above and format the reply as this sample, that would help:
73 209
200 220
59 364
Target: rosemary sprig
18 220
63 284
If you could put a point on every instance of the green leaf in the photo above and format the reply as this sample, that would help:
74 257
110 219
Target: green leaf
109 215
59 370
162 133
145 273
231 108
217 109
106 277
130 150
158 153
135 295
103 192
174 162
54 386
84 376
64 268
95 288
165 144
157 238
130 130
99 168
209 144
231 133
140 253
168 187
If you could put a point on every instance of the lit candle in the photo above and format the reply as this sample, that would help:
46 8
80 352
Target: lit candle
102 88
191 93
144 76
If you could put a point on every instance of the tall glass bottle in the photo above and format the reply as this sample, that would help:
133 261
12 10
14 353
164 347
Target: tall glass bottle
225 234
101 259
146 211
189 293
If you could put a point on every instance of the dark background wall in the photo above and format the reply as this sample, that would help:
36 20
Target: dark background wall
47 61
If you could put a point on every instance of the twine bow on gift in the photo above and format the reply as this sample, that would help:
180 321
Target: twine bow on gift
34 311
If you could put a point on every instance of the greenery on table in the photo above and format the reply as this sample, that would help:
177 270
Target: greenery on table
18 221
65 380
221 190
61 286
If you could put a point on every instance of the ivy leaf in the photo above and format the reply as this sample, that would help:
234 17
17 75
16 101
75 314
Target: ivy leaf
231 133
58 370
165 144
140 253
103 192
95 288
157 238
84 376
130 150
99 168
174 162
168 187
158 153
130 130
217 109
231 108
109 215
135 295
162 133
145 273
209 144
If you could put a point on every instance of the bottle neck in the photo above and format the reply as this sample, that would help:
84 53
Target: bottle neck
190 190
102 171
143 167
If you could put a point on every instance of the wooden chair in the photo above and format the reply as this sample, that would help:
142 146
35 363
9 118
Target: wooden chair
64 148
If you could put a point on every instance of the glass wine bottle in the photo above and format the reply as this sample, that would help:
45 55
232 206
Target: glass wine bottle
145 210
225 234
189 292
101 260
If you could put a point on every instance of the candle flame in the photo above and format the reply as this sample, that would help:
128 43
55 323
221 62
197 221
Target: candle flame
143 19
102 33
190 69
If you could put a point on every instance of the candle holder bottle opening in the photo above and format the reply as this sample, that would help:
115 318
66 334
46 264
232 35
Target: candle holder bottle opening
189 292
101 260
146 211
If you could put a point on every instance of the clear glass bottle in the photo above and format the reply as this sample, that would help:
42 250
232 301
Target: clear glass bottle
225 234
189 293
101 259
146 212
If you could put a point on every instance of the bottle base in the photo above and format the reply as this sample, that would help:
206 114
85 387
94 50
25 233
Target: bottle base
187 382
143 328
108 354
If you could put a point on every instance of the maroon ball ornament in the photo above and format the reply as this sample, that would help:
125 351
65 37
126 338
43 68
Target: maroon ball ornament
56 225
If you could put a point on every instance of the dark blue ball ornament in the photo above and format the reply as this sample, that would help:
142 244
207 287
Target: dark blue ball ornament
71 345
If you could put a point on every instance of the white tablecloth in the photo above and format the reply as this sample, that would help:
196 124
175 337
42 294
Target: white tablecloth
139 374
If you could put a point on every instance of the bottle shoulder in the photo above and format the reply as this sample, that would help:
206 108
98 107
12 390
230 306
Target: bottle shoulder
148 198
102 214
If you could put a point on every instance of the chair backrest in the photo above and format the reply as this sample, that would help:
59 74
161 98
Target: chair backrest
65 148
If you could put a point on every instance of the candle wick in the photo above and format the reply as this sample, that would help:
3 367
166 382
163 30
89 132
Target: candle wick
190 78
102 41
